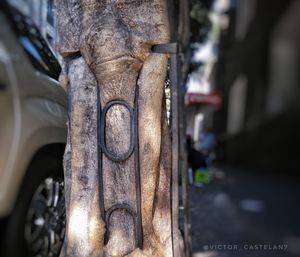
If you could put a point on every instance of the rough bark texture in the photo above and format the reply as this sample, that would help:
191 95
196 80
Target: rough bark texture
107 44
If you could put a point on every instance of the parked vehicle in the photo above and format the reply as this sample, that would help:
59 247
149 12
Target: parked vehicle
32 139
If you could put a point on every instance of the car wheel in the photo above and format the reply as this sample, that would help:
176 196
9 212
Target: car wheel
36 227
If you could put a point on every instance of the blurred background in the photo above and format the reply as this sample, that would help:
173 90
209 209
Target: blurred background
242 125
240 74
248 52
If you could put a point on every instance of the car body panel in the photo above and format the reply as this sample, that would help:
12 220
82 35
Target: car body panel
32 114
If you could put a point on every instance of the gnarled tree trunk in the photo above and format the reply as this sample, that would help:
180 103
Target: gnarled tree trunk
115 86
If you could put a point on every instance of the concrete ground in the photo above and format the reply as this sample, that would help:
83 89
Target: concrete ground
246 214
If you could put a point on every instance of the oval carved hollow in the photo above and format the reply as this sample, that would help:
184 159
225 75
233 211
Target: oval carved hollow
130 211
109 154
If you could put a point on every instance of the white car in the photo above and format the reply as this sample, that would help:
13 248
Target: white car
33 132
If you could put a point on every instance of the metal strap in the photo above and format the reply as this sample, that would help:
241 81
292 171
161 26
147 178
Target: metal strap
111 156
133 149
128 209
171 49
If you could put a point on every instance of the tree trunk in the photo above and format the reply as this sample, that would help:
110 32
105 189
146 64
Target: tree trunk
115 88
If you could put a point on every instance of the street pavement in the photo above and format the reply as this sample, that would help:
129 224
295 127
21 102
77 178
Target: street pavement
246 214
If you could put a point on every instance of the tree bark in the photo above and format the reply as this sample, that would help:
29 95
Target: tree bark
106 48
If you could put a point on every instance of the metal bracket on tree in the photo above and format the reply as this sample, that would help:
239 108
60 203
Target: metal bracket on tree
135 212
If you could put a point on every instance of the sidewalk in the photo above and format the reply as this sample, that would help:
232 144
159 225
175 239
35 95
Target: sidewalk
246 215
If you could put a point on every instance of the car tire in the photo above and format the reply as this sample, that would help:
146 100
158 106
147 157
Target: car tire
43 168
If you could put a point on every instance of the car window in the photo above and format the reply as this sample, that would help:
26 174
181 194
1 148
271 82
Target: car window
30 38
